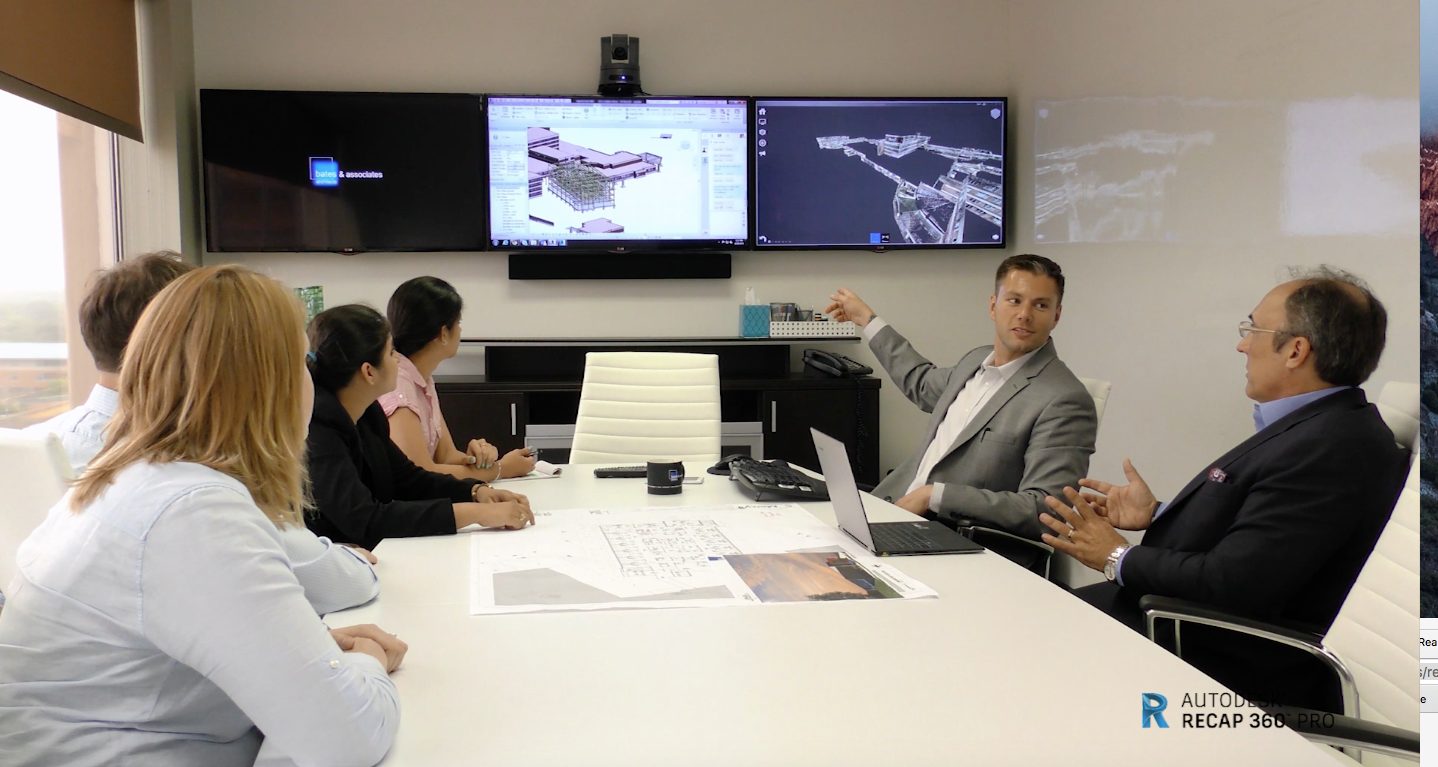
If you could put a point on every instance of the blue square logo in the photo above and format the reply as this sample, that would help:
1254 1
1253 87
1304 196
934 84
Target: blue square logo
324 171
875 238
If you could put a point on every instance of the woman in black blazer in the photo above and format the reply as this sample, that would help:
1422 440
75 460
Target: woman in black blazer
365 489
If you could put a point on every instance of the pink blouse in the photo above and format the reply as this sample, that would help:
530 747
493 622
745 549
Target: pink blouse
412 391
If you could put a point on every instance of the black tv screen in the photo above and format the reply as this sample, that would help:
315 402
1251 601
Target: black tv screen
617 175
879 173
342 172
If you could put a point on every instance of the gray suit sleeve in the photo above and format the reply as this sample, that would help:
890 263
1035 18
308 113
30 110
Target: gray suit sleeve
918 378
1057 454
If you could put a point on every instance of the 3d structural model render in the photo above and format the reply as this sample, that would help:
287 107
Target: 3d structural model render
935 213
1076 198
583 178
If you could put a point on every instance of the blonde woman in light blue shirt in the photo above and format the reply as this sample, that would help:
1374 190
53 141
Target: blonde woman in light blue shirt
334 577
156 618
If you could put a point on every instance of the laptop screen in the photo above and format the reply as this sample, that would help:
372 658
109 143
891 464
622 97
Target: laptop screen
843 492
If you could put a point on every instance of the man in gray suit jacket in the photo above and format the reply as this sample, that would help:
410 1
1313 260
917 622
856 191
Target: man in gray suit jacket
1011 424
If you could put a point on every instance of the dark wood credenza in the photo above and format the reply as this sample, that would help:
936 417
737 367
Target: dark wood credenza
530 391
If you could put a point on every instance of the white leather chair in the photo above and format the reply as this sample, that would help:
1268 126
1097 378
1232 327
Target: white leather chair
637 406
34 473
1370 647
1097 389
1373 632
1398 404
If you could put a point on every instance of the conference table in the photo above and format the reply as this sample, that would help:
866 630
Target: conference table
1003 668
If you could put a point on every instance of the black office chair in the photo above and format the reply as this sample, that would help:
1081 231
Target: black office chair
1348 734
1037 556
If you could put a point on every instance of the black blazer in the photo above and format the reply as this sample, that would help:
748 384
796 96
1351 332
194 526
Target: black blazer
1277 529
365 488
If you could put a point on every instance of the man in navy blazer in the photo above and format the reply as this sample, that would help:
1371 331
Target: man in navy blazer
1277 528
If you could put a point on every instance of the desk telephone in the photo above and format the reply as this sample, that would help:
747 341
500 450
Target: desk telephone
836 365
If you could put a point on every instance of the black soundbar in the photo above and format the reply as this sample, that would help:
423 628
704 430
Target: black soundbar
576 265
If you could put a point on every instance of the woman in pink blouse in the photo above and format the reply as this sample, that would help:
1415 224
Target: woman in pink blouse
425 315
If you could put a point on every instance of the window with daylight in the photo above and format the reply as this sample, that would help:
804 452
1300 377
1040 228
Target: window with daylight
57 227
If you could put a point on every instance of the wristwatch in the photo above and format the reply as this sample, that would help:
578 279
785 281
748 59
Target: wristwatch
1110 566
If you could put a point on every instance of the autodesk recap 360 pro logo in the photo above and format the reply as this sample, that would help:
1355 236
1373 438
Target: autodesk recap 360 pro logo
325 172
1153 707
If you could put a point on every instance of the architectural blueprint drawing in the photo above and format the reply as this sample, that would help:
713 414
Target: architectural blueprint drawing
590 559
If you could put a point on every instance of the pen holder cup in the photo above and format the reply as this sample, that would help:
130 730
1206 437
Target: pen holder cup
754 320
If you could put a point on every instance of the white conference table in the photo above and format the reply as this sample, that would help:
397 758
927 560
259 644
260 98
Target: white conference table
1002 669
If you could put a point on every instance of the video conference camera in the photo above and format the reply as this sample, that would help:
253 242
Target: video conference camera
619 66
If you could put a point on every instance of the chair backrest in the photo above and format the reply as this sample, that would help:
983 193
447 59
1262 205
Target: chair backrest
1398 404
34 474
1373 633
636 406
1099 391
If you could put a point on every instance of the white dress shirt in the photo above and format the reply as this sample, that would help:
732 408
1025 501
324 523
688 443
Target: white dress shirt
82 430
162 625
976 393
334 577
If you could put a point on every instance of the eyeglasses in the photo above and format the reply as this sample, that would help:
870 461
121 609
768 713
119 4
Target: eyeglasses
1246 327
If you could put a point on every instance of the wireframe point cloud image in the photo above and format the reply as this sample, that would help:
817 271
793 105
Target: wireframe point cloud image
935 213
874 173
1144 169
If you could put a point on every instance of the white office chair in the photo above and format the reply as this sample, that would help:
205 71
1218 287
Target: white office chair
1398 404
1097 389
636 406
35 473
1373 632
1370 648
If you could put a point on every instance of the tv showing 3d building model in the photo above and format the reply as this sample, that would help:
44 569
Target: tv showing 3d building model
586 172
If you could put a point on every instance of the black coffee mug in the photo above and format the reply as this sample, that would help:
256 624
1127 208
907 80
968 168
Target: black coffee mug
665 477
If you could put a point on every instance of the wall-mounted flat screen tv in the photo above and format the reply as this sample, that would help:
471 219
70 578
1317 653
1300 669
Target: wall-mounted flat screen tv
617 175
879 174
342 172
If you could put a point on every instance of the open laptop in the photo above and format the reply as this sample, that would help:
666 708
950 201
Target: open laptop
884 538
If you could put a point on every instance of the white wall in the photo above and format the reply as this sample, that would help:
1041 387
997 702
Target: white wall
745 47
1284 93
1300 119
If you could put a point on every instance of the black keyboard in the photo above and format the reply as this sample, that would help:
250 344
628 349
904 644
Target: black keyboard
898 538
621 472
776 481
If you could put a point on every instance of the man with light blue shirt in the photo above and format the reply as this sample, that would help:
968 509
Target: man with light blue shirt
1278 528
107 317
334 577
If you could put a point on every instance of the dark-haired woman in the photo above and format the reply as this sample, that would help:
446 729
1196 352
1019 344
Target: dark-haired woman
425 315
365 489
